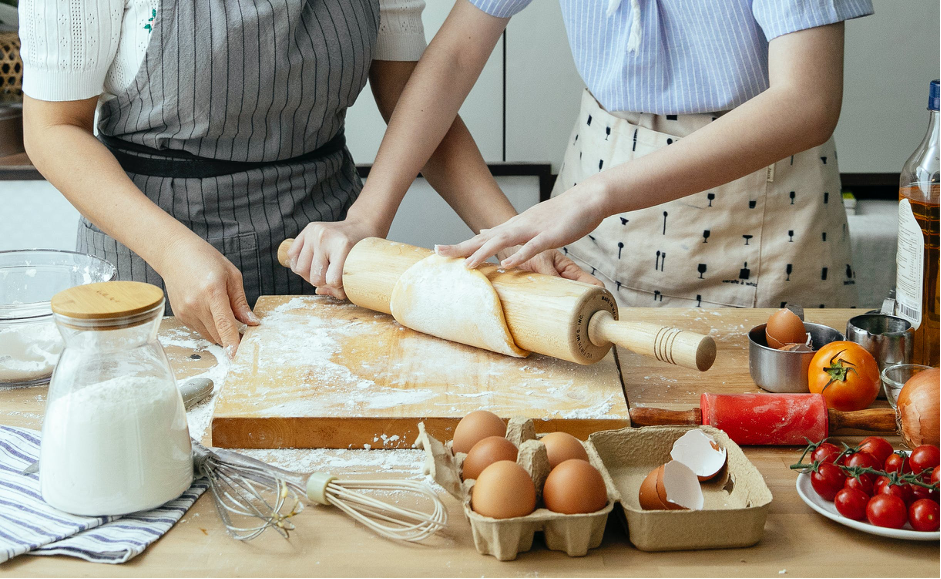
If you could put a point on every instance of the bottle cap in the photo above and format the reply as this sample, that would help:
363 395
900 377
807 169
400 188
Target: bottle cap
118 301
934 95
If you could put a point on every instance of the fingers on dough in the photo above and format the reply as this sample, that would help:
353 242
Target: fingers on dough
441 297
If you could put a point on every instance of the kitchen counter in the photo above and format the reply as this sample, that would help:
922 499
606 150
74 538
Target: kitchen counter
797 541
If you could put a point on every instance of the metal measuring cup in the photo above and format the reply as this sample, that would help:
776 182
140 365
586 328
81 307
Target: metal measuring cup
890 339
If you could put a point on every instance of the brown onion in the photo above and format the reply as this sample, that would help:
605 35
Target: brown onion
918 408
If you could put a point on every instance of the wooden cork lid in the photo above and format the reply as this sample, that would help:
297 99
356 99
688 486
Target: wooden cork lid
107 300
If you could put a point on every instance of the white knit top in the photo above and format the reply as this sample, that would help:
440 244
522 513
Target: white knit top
78 49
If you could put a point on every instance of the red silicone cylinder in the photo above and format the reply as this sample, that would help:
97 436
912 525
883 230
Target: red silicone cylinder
772 419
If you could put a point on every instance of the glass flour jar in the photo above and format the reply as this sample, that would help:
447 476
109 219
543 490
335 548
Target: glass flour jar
115 438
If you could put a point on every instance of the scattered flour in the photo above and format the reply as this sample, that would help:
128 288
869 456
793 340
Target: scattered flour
115 447
199 417
295 345
291 336
403 463
29 351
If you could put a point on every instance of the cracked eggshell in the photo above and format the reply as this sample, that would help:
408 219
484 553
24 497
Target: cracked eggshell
648 496
671 486
700 452
679 488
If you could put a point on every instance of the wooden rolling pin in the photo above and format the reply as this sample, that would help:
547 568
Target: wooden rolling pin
770 419
549 315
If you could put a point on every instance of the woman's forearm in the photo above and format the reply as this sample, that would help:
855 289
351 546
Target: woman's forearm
456 169
458 172
426 110
798 112
69 156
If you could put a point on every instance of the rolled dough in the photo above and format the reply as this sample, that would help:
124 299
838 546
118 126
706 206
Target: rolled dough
441 297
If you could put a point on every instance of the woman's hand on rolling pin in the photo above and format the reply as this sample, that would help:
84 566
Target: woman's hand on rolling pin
547 225
206 292
319 252
552 262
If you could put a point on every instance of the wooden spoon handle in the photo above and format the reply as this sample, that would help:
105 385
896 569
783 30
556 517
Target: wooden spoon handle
283 258
672 345
641 416
878 420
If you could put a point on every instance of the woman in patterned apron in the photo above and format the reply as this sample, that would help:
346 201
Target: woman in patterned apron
701 169
223 138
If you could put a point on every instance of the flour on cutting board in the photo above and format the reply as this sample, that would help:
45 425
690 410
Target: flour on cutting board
405 463
289 338
341 367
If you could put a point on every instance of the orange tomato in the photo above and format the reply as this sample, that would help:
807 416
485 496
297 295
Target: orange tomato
846 374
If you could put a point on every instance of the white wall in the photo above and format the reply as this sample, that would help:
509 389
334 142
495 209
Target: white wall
890 58
482 111
35 215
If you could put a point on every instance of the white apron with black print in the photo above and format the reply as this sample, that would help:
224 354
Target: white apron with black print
773 237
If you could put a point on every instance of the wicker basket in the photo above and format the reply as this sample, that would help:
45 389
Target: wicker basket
11 65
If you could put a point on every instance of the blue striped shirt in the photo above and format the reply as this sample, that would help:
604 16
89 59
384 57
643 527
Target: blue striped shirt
694 56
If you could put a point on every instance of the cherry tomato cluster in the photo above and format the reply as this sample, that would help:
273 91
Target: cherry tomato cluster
873 482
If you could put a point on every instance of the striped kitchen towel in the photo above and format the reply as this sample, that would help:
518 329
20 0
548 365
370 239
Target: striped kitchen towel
29 525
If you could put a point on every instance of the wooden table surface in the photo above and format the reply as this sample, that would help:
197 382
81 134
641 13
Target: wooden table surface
797 541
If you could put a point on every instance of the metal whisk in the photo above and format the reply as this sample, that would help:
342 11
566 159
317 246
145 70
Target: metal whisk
245 487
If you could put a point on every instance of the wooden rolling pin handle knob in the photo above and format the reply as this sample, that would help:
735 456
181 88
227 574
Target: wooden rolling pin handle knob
876 420
283 258
680 347
641 416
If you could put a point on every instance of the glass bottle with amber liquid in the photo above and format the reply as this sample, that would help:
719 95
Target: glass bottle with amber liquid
917 284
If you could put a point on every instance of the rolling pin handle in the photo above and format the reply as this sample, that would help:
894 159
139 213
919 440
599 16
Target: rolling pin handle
283 258
875 420
642 416
680 347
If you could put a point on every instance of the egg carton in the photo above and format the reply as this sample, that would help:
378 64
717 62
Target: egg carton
506 538
736 501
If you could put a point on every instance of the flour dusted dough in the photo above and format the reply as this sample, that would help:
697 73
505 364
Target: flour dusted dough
441 297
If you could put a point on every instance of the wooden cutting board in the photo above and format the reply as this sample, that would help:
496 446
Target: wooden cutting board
320 373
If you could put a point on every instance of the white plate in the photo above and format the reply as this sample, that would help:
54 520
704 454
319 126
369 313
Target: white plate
827 509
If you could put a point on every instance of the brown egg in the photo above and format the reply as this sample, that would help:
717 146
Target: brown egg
504 490
784 327
485 453
575 486
475 427
562 446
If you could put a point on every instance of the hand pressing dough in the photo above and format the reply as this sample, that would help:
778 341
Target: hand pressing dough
441 297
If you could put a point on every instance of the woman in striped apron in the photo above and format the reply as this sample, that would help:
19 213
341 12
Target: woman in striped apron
701 169
221 134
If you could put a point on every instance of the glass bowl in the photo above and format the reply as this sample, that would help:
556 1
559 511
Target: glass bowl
29 341
894 377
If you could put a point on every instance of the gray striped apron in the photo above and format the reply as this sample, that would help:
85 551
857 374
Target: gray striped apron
257 82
